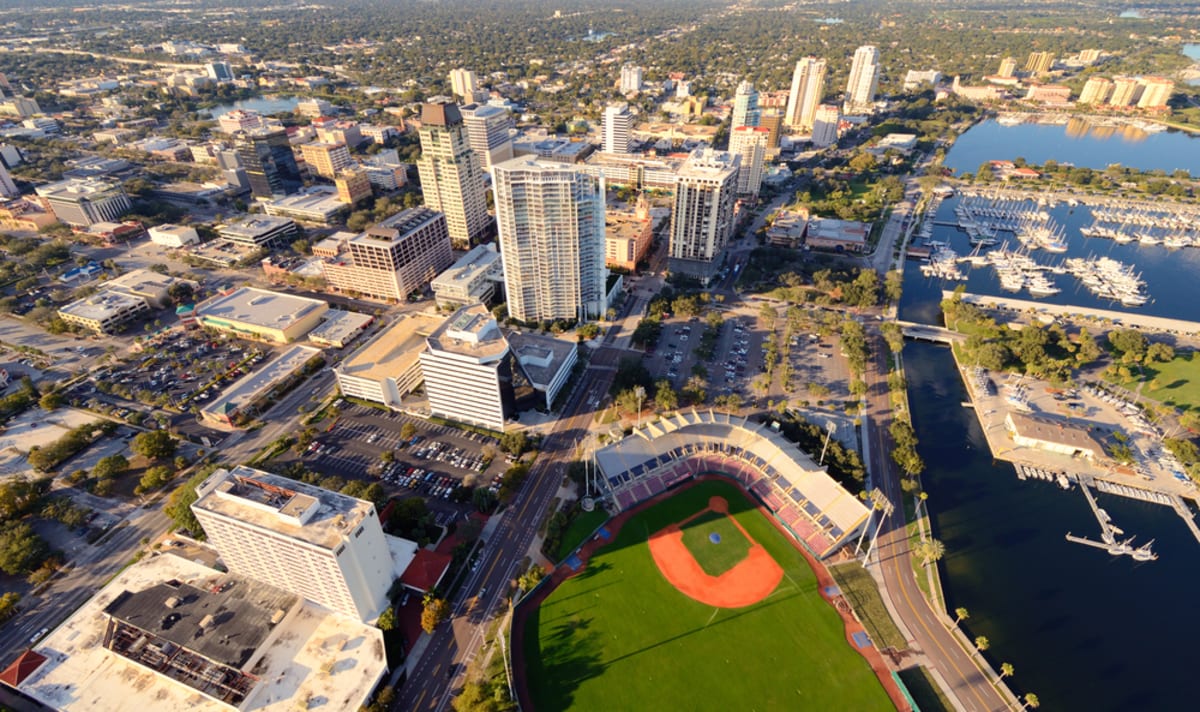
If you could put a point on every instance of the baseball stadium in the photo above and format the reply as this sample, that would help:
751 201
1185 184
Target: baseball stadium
705 590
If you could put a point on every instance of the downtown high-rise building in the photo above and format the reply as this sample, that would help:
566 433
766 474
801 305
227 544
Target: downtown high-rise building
745 106
631 78
702 220
550 221
825 126
750 144
464 84
808 86
618 128
266 156
864 80
391 260
487 132
451 174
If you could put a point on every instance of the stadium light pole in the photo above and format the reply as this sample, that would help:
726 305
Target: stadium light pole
640 392
830 429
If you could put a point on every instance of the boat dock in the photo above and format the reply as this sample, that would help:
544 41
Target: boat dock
1116 318
1109 533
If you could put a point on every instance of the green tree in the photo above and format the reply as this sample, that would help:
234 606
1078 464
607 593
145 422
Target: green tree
154 478
893 335
179 504
407 431
110 466
154 444
387 620
21 549
1131 344
8 604
435 611
514 442
960 615
51 400
665 397
930 550
1031 701
982 643
1156 352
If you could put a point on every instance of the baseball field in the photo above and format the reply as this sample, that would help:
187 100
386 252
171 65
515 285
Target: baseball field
752 631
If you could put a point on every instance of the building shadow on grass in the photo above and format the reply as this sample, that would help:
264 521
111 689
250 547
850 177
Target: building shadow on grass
567 656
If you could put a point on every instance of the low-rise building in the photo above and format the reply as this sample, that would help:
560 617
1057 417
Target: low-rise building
837 235
470 280
260 231
788 229
145 284
261 314
318 205
546 362
1053 435
339 328
21 214
105 312
83 202
174 236
388 367
627 238
244 395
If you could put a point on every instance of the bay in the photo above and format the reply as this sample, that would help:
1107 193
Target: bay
1076 142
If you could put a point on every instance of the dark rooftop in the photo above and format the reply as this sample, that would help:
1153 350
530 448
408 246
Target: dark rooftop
225 623
440 115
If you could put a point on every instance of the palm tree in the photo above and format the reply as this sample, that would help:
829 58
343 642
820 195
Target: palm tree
930 550
1006 670
1031 701
982 643
960 615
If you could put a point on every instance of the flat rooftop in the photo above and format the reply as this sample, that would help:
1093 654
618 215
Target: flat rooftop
225 622
80 675
141 280
394 350
316 200
471 331
255 225
78 188
1055 431
478 260
339 327
840 230
258 307
397 226
101 305
624 225
250 387
541 357
294 509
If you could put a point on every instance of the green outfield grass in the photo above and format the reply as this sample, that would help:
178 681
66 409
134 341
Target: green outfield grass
722 556
619 637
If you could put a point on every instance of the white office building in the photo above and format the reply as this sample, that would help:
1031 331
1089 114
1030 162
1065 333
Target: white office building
808 87
388 367
745 106
825 126
465 363
470 280
464 84
864 80
618 128
81 202
487 132
322 545
749 143
703 218
550 218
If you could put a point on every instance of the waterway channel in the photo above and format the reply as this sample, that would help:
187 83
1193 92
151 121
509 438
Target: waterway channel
1083 629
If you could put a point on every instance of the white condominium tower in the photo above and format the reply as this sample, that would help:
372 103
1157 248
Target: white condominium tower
618 128
702 219
825 126
750 143
487 132
464 84
631 78
808 86
745 106
451 177
864 80
550 218
325 546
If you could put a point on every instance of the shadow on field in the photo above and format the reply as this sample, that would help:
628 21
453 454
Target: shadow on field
569 655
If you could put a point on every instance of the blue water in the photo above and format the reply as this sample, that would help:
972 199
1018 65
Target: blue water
263 105
1076 143
1084 630
1192 51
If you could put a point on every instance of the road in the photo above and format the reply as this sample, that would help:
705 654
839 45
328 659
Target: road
930 635
440 672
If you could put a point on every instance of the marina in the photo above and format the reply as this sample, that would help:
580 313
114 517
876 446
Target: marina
1109 533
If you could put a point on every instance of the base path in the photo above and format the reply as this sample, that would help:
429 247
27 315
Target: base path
825 585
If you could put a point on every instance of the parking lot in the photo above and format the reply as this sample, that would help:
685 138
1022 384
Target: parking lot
736 359
434 462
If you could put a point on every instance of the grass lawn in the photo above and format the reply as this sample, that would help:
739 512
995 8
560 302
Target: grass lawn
1176 382
860 590
619 637
578 530
925 692
721 556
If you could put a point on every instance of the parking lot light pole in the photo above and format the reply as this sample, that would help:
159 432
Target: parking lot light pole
640 392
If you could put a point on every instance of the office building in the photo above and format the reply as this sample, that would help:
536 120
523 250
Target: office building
745 106
1155 92
1097 90
703 218
388 367
314 108
1039 62
631 78
395 258
628 236
750 144
487 133
1008 67
451 174
261 314
80 202
219 71
240 120
325 159
772 121
550 219
470 280
1127 91
353 186
322 545
465 365
8 188
618 128
19 106
914 79
808 87
464 84
864 80
270 165
261 231
105 312
825 125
